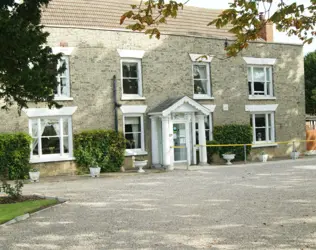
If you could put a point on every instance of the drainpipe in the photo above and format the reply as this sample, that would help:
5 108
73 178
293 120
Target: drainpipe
116 105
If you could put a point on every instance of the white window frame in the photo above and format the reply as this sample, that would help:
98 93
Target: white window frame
210 130
272 122
265 96
208 95
60 96
136 151
139 95
52 157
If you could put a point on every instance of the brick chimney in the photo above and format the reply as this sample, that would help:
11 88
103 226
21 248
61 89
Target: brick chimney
266 32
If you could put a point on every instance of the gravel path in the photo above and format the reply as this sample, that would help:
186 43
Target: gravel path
271 206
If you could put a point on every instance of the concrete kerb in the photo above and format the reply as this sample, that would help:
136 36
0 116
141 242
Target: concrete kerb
28 215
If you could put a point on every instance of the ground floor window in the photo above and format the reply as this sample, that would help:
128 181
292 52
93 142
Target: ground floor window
52 137
134 132
263 127
208 129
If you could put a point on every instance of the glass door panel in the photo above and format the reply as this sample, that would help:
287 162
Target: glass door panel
179 139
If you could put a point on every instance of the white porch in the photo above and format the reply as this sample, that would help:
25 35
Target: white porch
173 132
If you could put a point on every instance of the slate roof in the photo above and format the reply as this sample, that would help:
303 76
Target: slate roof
166 104
106 14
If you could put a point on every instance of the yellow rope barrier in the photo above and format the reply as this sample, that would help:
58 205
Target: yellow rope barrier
242 145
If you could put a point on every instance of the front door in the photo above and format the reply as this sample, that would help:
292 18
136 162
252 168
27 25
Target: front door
179 142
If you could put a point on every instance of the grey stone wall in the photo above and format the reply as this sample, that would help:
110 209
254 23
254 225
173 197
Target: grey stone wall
167 72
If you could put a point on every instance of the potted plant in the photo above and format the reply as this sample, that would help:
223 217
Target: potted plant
263 157
295 154
140 162
34 174
94 169
228 156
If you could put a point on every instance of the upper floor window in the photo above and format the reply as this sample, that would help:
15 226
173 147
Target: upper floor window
63 88
202 81
260 81
131 77
131 74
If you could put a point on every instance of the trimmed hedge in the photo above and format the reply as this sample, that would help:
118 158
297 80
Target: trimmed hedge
233 134
102 148
15 155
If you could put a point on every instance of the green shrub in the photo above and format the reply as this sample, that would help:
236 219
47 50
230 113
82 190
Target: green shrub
14 162
211 151
233 134
102 148
15 155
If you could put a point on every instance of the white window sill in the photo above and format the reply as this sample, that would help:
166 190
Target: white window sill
51 158
251 97
134 152
264 145
132 97
63 98
203 97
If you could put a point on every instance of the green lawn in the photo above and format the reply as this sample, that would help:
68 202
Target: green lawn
10 211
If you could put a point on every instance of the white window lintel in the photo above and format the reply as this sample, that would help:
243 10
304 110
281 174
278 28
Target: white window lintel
133 109
261 108
260 61
46 112
64 50
201 58
124 53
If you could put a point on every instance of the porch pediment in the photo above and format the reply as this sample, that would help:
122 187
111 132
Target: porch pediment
179 104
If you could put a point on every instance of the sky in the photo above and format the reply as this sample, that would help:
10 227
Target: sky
278 36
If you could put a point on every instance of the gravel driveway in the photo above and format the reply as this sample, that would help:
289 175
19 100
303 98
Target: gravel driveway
271 206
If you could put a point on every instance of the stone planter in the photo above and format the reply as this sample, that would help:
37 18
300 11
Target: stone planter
95 172
295 155
228 158
140 165
263 158
34 176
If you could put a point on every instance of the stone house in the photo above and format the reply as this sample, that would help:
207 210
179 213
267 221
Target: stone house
165 96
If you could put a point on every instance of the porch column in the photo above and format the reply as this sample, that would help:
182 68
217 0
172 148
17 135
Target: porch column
165 141
154 142
202 140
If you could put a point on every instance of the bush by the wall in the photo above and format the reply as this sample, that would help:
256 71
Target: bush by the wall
15 155
233 134
211 151
102 148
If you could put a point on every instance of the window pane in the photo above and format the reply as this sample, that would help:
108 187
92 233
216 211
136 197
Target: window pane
268 88
207 122
249 87
200 72
63 62
259 88
65 126
132 124
200 87
258 74
260 134
63 86
66 145
34 128
260 120
130 86
268 70
130 70
133 140
50 127
269 120
207 135
50 145
35 146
